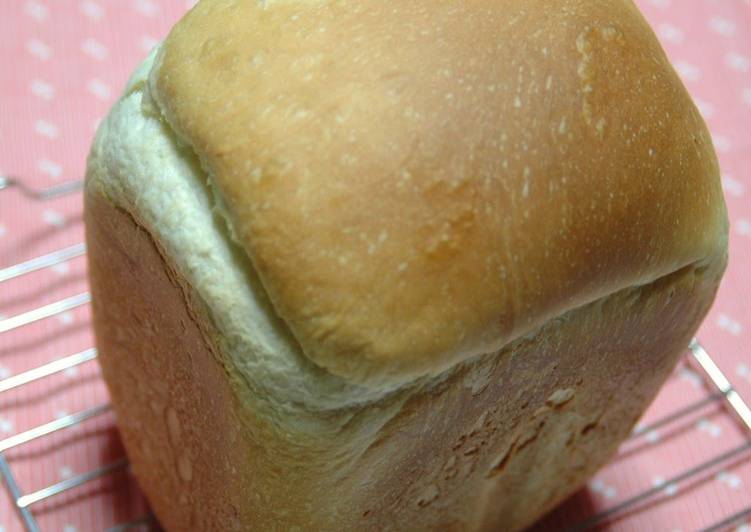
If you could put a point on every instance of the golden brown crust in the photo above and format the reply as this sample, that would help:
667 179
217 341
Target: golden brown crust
173 400
421 182
501 440
517 195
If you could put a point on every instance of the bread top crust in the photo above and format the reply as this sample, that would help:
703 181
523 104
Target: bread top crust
417 183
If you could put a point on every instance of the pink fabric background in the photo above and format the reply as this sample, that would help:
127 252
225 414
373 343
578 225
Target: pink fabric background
62 64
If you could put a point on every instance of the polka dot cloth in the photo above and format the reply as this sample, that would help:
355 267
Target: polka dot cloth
62 64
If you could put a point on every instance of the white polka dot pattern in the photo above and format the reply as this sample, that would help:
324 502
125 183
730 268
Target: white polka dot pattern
50 168
46 129
38 49
669 489
94 48
99 89
739 62
36 10
53 218
91 9
42 89
731 480
733 186
743 227
6 425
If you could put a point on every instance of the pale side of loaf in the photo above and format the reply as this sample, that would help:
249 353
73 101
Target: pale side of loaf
413 266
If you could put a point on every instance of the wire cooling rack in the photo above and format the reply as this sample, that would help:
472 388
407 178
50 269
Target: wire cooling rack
718 391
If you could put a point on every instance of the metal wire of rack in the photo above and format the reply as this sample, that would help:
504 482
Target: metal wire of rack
698 356
22 500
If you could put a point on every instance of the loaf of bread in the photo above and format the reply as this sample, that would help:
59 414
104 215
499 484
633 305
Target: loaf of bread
395 265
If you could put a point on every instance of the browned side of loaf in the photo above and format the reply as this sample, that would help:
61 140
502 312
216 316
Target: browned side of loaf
502 439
